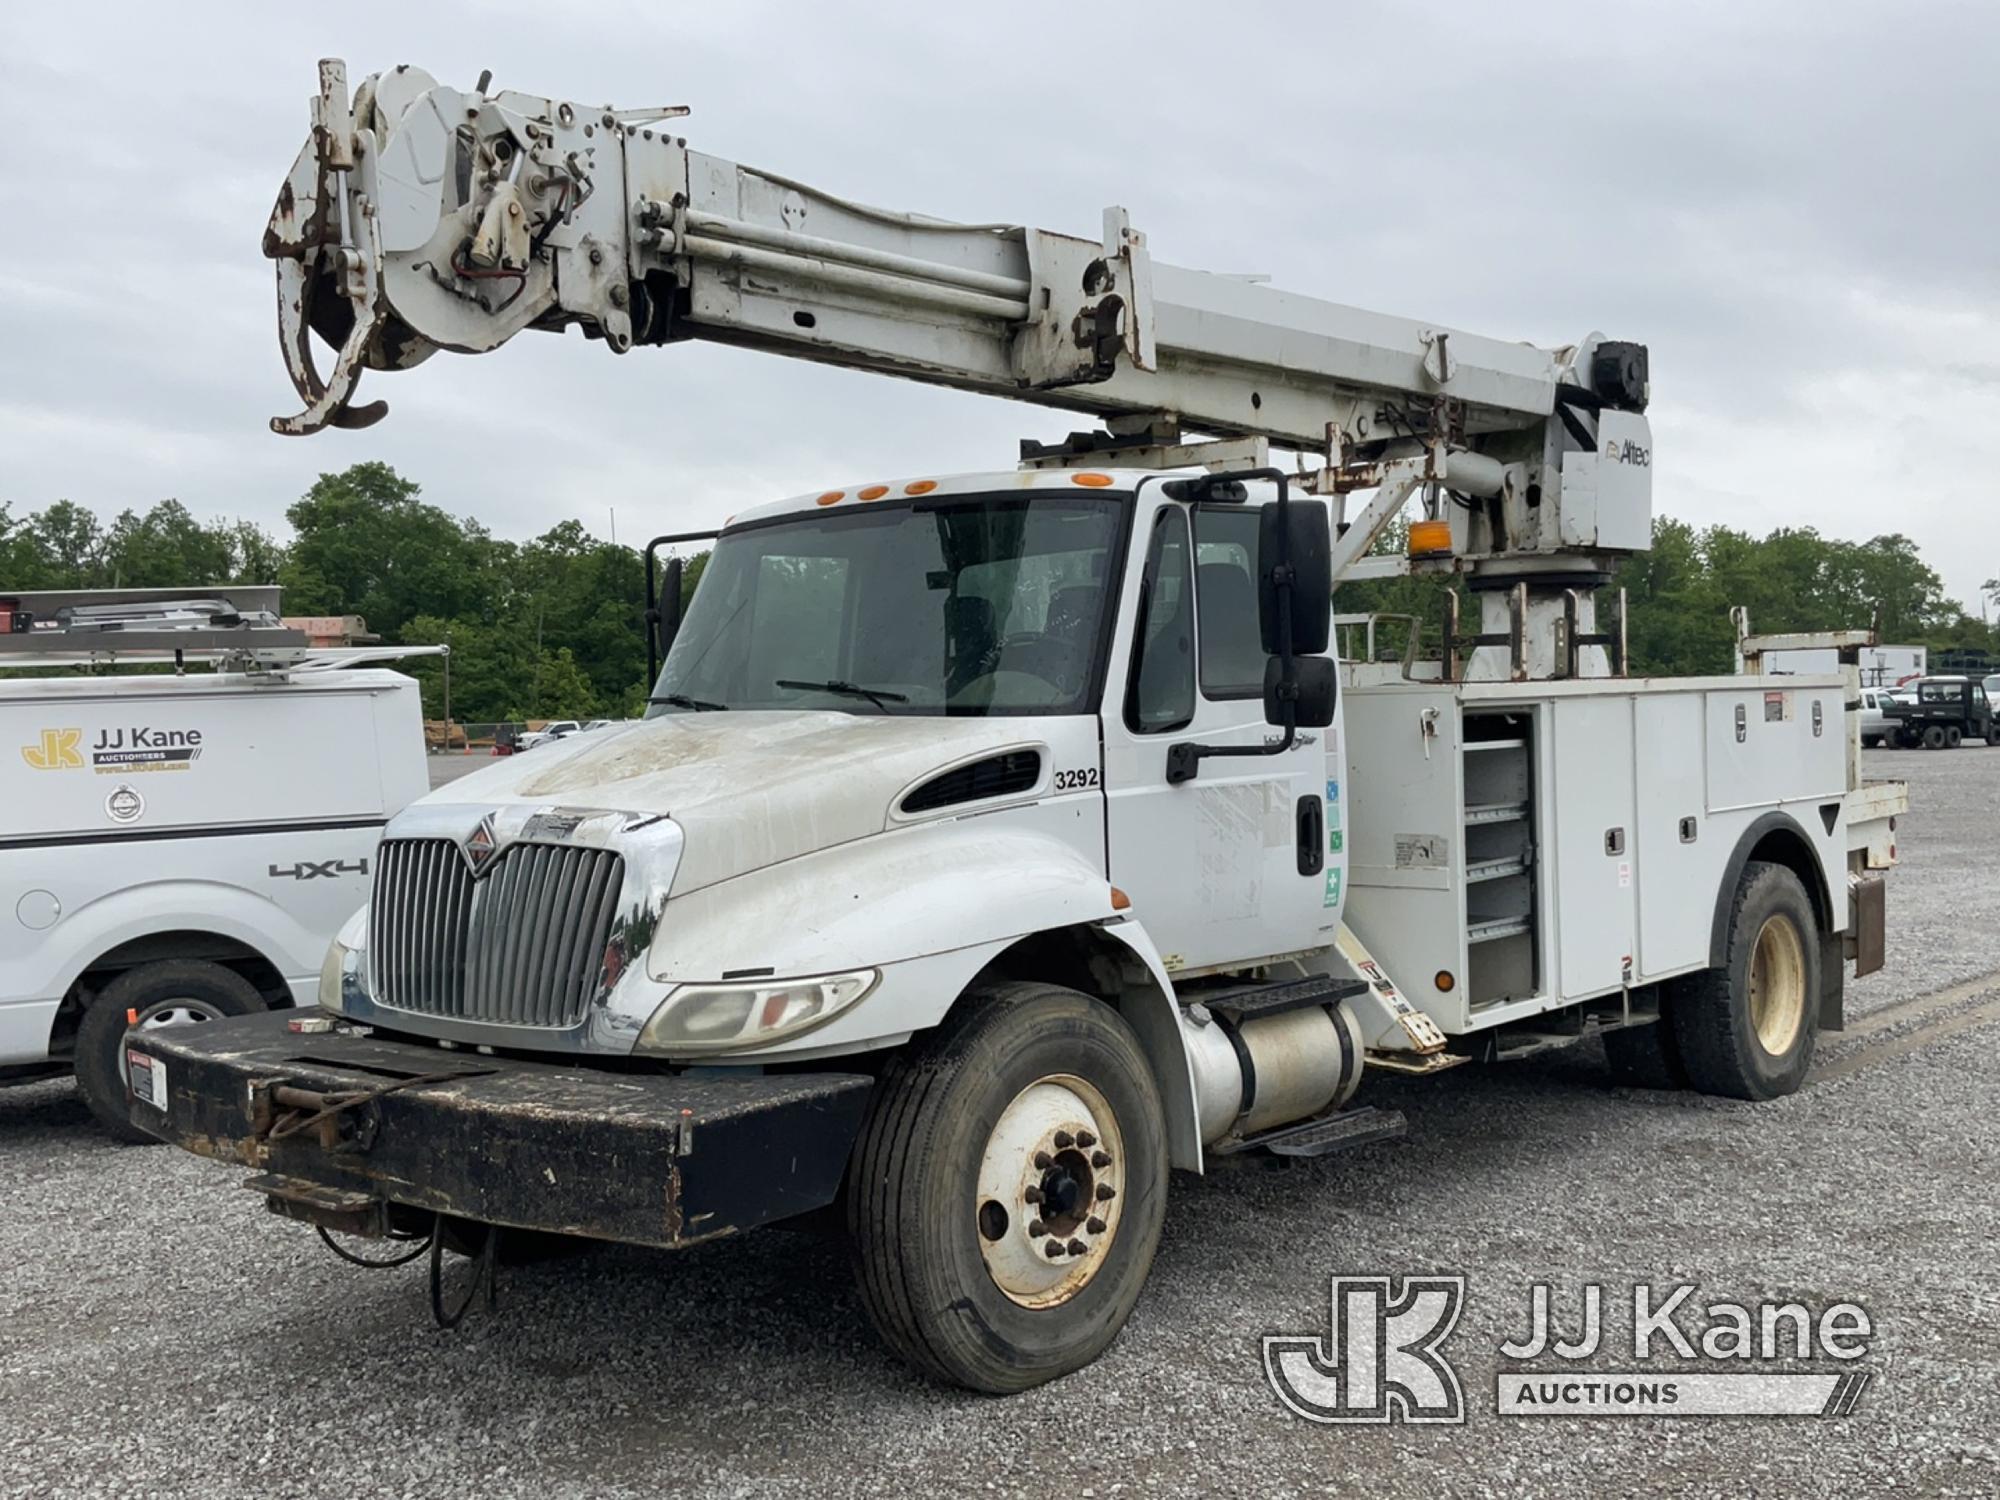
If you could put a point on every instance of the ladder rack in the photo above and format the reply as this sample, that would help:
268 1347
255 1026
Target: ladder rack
236 628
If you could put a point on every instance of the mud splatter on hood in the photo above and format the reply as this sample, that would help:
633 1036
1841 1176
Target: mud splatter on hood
747 788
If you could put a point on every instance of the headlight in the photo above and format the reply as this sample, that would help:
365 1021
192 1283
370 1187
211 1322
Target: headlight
725 1017
345 955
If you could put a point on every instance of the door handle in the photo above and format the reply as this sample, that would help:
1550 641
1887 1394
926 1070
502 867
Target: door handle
1312 835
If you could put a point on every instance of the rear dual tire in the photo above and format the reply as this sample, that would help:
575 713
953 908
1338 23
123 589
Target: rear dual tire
1747 1029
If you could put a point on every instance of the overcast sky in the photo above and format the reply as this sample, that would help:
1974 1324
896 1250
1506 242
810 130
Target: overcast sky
1795 206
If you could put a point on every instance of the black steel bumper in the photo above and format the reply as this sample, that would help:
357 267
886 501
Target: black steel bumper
649 1158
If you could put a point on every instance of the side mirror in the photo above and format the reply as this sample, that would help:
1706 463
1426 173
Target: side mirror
1297 534
1310 694
670 606
662 619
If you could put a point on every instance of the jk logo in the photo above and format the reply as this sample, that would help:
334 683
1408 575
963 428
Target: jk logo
1379 1361
57 751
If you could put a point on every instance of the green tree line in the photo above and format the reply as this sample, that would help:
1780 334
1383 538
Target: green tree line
1679 594
551 628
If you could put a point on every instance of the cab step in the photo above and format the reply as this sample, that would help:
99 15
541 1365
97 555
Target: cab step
1241 1002
1322 1136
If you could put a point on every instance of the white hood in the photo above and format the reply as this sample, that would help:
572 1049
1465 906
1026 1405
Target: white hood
748 789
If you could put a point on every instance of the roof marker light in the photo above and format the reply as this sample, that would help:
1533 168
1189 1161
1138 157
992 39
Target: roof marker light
920 487
1091 478
873 492
832 496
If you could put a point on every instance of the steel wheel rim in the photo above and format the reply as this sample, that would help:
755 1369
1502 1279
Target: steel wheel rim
181 1011
1777 985
1051 1186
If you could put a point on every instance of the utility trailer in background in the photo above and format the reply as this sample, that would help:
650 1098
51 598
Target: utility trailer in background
180 846
996 841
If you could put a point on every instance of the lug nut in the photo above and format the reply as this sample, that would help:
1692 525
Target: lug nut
1044 1160
1085 1139
1032 1194
1094 1224
1106 1192
1053 1249
1036 1229
1100 1158
1064 1140
1077 1247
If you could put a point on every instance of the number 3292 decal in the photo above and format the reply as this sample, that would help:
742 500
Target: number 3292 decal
1076 781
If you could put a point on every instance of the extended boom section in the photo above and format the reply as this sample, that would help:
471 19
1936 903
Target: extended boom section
419 218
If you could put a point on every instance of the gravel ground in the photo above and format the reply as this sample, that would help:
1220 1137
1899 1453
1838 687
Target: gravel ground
161 1334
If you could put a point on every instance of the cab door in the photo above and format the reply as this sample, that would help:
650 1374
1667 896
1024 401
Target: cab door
1241 862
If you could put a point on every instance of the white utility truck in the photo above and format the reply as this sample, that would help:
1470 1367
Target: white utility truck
998 841
179 846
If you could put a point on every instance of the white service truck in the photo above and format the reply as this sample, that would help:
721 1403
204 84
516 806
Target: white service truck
178 846
997 841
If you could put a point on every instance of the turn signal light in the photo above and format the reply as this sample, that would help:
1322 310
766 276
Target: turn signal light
1445 981
1430 538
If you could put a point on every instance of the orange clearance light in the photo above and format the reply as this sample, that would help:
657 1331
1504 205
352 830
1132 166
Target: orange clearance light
1444 981
1430 538
1119 900
873 492
920 487
831 497
1091 479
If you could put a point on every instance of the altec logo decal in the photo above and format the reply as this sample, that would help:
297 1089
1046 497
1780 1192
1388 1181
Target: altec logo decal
57 751
1628 452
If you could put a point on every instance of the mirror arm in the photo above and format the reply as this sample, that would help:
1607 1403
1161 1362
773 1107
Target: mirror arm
653 616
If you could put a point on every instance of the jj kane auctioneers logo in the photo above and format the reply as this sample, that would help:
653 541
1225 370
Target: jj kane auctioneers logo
56 752
116 752
1382 1358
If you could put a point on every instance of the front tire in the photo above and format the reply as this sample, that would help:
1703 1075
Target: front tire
172 992
1008 1187
1746 1030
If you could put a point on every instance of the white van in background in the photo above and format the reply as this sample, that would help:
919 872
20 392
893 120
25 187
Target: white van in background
179 847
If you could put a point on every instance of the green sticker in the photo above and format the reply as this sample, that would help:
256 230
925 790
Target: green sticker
1333 841
1332 888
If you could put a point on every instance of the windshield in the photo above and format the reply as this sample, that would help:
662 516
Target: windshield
984 604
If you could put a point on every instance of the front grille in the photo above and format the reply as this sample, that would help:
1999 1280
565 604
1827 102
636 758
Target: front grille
522 946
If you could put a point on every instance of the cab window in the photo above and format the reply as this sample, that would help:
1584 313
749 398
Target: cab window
1160 694
1232 648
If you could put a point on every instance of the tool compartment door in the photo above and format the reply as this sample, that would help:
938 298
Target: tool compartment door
1594 859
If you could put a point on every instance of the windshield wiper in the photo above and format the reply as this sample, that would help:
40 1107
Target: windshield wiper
880 697
682 700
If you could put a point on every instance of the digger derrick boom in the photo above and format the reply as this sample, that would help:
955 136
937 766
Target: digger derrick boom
419 218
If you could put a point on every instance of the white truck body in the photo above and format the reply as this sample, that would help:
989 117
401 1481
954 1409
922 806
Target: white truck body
995 841
1880 666
225 805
